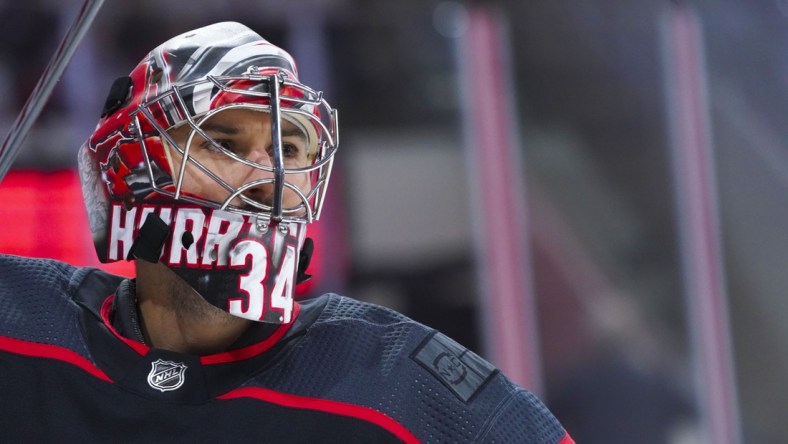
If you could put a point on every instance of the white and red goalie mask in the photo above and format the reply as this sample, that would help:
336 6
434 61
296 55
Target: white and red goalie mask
144 178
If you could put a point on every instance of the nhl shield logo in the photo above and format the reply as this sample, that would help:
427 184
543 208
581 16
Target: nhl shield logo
166 375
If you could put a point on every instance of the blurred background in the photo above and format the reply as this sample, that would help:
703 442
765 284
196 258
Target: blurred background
590 194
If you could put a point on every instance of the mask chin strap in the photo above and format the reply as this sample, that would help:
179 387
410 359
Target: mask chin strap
150 240
303 261
154 233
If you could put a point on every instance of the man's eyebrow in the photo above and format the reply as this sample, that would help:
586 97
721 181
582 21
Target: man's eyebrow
290 132
220 128
230 130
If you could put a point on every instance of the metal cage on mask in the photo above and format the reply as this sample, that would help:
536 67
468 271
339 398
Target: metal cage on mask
239 254
231 225
306 109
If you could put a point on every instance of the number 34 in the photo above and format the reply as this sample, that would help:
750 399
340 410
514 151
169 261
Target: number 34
253 285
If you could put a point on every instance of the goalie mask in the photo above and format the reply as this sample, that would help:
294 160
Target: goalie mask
212 157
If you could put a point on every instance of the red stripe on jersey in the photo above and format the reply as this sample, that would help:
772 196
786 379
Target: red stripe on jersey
252 350
106 307
567 439
339 408
218 358
37 350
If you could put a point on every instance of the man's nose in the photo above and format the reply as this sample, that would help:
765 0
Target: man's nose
262 192
260 153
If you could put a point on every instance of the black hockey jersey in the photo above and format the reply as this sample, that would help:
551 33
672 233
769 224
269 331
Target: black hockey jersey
71 369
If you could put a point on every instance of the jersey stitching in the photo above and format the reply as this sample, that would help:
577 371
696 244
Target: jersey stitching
75 280
497 412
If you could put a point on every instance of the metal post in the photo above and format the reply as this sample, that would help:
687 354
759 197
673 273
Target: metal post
43 90
699 225
495 169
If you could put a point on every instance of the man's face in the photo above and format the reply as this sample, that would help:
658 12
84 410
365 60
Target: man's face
247 133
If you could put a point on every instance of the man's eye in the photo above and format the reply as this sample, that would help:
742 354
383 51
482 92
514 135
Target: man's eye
226 144
290 150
